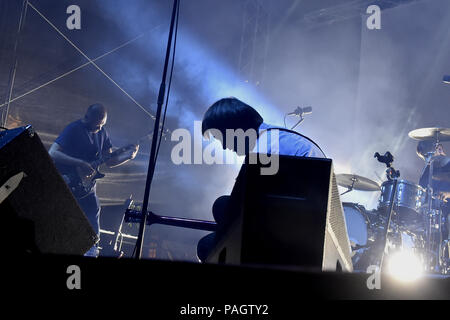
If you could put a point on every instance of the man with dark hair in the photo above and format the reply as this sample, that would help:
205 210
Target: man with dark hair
80 144
428 150
232 114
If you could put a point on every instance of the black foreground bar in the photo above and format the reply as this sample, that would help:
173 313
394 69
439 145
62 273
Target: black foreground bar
170 286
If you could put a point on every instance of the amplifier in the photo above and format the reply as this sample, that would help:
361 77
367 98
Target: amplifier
39 213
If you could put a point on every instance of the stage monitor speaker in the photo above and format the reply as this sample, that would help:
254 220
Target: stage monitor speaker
38 210
291 218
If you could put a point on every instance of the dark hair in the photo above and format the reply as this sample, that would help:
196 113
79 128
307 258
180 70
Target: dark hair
96 110
424 147
230 113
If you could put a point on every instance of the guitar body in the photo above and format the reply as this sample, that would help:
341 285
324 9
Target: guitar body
79 184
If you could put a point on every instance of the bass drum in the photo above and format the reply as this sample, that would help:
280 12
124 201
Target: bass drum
360 234
358 223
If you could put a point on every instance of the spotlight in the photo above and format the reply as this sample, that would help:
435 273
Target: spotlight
405 266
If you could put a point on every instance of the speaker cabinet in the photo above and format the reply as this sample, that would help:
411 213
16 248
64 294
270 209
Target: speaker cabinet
291 218
40 214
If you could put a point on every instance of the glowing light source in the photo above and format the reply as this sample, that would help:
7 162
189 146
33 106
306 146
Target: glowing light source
405 266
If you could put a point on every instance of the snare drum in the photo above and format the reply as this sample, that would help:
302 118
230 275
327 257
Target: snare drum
408 200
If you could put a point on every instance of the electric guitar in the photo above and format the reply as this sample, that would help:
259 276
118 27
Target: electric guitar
80 184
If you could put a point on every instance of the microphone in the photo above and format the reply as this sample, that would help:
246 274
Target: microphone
301 111
446 79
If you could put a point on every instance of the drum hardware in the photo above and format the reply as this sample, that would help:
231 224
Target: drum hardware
444 255
429 223
357 246
355 182
392 175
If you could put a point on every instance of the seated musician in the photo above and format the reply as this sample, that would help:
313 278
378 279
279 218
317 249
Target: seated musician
231 113
441 176
441 164
80 144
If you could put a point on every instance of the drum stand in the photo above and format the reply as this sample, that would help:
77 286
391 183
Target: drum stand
349 189
391 174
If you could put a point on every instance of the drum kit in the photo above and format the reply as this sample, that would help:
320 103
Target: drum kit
409 216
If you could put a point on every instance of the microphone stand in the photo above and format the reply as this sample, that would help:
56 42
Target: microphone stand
152 160
298 122
390 172
392 175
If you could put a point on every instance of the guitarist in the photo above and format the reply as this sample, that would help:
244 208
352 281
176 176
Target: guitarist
81 143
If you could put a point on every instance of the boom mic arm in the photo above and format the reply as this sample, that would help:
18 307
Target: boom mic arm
299 111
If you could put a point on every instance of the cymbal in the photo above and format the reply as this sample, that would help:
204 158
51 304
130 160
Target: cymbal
430 133
355 182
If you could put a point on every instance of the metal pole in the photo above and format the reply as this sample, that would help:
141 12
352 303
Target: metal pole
152 160
182 222
23 14
388 224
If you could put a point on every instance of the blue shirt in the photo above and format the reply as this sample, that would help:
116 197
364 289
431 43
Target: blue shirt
76 141
289 143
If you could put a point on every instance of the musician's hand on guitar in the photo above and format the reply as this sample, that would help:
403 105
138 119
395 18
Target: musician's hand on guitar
86 168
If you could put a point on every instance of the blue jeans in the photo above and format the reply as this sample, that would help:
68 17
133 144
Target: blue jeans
91 207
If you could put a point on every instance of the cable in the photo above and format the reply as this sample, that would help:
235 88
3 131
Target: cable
156 142
77 68
295 132
298 122
23 15
90 60
170 81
